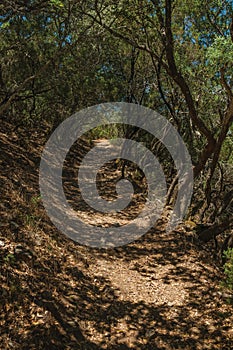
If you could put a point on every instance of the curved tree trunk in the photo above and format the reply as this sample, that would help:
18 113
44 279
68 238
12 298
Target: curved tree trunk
213 231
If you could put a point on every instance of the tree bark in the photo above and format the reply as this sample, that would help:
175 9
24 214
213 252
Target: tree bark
213 231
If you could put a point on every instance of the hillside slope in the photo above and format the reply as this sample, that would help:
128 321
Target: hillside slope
161 292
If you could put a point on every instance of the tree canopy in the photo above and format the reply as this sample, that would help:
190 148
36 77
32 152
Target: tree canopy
58 57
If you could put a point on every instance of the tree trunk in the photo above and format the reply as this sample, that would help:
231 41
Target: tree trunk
213 231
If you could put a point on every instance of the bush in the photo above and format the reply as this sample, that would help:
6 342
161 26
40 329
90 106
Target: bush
228 267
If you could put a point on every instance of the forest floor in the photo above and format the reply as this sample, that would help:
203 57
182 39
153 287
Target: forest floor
162 291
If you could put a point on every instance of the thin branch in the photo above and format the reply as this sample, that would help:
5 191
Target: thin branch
158 73
231 28
179 79
118 35
224 83
214 24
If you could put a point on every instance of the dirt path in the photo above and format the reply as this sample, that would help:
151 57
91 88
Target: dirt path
162 295
160 292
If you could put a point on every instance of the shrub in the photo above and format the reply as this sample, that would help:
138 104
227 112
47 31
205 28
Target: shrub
228 267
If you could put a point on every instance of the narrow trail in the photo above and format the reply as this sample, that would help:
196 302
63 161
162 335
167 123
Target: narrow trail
162 294
159 292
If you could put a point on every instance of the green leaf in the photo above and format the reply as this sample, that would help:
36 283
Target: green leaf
56 3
